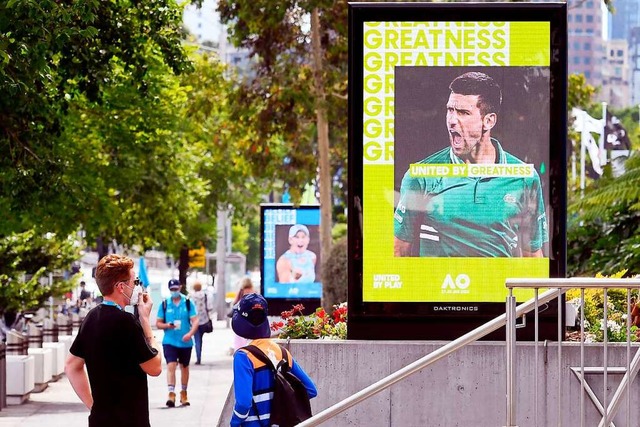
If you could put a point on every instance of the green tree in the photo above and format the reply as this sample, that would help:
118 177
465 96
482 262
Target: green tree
51 54
604 228
133 174
300 52
26 259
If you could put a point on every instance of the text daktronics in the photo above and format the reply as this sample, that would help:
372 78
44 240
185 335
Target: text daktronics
456 308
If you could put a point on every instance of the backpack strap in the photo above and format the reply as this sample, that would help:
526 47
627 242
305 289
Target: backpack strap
164 308
285 358
259 354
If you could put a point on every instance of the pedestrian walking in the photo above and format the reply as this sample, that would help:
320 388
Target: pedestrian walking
177 316
204 306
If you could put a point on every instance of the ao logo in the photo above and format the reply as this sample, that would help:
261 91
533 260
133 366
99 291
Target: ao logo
462 282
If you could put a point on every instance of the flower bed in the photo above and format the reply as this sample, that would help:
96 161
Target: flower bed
319 325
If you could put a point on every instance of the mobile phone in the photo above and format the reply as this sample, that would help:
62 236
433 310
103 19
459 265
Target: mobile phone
135 295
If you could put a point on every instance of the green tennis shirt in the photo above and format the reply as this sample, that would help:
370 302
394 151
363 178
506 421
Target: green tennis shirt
471 217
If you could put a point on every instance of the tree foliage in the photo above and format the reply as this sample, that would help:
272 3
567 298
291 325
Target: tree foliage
133 172
26 259
107 124
604 225
51 54
277 34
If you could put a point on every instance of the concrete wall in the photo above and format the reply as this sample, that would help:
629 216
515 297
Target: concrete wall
466 388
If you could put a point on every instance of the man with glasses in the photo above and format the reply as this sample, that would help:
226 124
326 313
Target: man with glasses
118 349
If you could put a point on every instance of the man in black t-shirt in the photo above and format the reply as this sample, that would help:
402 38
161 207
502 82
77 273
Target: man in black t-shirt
118 350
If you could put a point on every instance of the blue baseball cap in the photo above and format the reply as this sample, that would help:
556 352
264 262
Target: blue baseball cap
174 283
250 317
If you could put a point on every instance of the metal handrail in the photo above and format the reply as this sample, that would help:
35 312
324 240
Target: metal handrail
562 285
427 360
573 282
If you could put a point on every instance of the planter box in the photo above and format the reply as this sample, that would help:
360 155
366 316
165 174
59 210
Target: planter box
67 340
20 378
465 388
42 367
59 353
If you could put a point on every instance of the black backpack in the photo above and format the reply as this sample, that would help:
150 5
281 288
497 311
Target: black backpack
290 404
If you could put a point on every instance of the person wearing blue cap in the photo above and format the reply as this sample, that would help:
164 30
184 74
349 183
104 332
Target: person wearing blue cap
297 264
253 381
179 319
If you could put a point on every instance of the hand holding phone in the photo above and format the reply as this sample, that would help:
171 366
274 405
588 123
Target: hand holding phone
145 303
135 295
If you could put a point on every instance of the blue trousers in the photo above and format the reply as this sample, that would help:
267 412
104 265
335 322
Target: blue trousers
198 339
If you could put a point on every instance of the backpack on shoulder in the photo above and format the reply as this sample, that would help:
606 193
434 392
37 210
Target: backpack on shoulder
164 307
290 404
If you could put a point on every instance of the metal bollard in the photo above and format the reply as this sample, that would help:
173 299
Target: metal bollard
34 333
49 331
16 343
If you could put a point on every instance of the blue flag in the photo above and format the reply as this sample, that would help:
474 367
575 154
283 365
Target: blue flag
142 274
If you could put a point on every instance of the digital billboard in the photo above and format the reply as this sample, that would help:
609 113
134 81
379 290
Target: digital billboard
291 259
457 165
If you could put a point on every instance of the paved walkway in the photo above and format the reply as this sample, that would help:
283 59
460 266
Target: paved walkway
209 384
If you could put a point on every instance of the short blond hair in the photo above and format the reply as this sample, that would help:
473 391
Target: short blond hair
246 283
197 286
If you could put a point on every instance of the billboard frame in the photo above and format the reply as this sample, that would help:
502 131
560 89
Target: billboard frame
422 320
280 304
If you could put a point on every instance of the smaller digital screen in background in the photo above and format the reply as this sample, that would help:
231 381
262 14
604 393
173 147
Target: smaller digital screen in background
291 252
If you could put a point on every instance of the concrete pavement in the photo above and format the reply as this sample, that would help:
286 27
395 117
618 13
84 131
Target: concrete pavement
209 384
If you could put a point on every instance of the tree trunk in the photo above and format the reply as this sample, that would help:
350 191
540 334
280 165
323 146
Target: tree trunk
324 166
183 266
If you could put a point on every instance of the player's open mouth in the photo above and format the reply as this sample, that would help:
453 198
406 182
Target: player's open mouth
456 138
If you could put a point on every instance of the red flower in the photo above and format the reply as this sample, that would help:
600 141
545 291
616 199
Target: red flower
340 314
321 313
286 314
276 326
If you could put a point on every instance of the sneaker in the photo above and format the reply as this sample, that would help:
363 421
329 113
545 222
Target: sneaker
184 401
171 402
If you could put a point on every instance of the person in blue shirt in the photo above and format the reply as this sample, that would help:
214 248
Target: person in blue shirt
178 318
253 381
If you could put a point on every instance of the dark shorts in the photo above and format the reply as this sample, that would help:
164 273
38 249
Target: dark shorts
182 355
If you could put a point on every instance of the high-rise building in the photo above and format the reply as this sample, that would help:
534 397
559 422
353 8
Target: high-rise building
585 43
616 87
634 64
625 17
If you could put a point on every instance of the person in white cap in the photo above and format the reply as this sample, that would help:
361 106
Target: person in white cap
297 264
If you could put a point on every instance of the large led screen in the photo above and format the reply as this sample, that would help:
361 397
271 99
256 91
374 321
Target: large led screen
291 252
457 121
